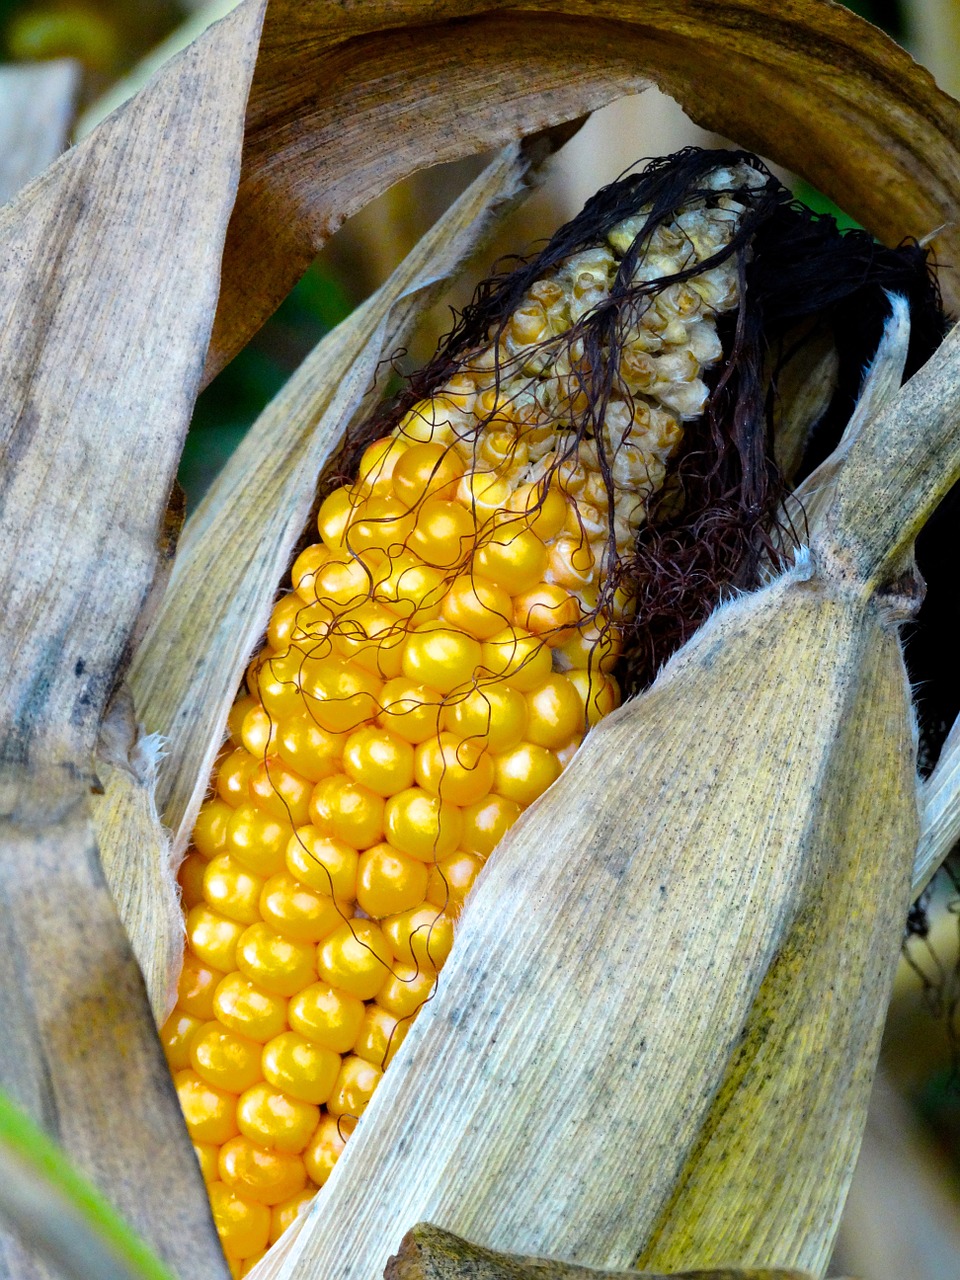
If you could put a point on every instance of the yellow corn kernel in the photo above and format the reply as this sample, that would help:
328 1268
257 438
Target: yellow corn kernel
210 829
476 606
599 694
285 1215
379 760
195 990
554 713
486 823
410 710
190 877
248 1010
440 657
276 964
421 937
326 1145
207 1156
406 989
322 863
231 889
388 881
381 1035
271 1118
301 1068
444 534
257 840
307 749
258 732
492 715
452 879
297 912
454 769
547 610
270 1177
379 461
354 958
426 471
176 1036
224 1059
345 810
327 1015
210 1113
524 773
354 1087
513 556
243 1225
422 825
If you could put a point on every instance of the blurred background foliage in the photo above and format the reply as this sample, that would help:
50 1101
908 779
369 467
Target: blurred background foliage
903 1218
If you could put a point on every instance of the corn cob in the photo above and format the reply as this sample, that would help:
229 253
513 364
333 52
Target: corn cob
443 650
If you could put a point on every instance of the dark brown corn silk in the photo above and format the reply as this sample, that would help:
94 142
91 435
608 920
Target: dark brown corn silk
710 528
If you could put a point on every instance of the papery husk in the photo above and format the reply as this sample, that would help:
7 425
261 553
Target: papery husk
234 550
107 296
428 1253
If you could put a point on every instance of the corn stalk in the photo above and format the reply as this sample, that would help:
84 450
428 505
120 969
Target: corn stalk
132 270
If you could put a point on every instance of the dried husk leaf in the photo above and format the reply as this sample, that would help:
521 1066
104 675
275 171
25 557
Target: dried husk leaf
776 1154
428 1253
36 107
896 473
138 863
811 500
77 1050
348 99
643 900
235 549
107 295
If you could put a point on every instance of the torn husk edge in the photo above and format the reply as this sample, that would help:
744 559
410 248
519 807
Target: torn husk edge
233 553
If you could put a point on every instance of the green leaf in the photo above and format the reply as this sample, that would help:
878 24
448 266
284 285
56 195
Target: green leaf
59 1214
